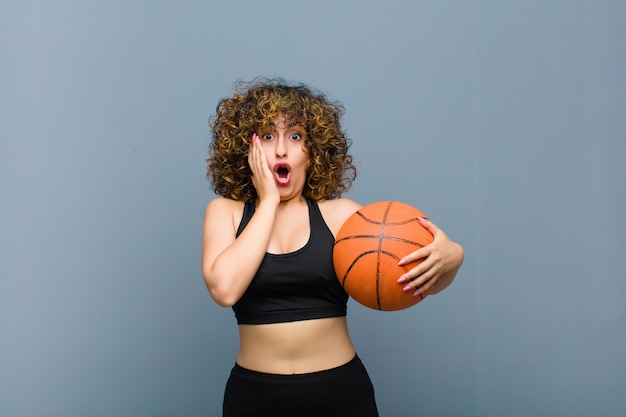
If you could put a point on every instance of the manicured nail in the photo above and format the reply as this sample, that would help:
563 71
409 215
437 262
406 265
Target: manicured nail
401 280
418 293
407 288
402 262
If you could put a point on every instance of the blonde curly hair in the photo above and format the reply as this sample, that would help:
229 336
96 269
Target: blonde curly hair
330 170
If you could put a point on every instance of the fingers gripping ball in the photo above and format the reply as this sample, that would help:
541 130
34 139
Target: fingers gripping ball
368 248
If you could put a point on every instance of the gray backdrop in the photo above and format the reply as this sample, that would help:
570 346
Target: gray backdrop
504 121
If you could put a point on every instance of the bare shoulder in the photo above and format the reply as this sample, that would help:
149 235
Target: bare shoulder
224 204
337 211
223 209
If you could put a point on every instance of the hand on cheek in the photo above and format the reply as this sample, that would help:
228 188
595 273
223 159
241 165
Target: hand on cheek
262 177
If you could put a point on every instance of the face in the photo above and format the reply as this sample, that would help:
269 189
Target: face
287 155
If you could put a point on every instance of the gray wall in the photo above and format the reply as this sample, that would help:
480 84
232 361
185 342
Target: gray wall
503 121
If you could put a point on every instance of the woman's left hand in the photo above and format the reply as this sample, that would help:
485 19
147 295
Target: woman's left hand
440 262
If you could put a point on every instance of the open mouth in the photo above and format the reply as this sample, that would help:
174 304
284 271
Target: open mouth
282 174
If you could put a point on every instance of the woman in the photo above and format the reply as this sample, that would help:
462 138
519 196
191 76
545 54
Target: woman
279 159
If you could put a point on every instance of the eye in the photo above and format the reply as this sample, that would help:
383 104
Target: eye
267 136
295 136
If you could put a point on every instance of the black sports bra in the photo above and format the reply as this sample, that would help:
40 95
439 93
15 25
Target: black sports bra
300 285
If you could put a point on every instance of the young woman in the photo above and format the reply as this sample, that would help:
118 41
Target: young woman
279 159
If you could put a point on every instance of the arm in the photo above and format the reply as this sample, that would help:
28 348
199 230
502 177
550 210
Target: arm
441 261
230 263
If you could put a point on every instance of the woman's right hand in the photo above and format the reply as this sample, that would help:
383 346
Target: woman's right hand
262 176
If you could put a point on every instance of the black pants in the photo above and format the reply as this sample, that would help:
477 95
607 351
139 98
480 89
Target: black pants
345 391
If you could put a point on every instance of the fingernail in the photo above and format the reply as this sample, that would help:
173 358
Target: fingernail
402 262
408 287
418 293
401 280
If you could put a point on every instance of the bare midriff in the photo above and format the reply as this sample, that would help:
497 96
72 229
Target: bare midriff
295 347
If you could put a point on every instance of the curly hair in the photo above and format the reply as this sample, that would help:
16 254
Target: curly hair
330 171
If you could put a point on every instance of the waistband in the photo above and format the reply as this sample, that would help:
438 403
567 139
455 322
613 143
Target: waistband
353 365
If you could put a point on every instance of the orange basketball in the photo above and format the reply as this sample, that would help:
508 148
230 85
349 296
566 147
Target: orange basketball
368 248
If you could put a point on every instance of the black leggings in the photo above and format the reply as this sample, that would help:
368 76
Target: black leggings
343 392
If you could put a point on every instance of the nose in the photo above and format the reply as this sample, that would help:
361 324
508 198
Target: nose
281 147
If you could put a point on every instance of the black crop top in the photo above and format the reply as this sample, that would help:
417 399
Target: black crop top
300 285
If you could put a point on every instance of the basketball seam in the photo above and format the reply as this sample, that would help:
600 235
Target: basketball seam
368 220
393 238
380 245
344 278
345 275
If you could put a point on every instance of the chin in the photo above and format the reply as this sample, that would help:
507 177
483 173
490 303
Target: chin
290 197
